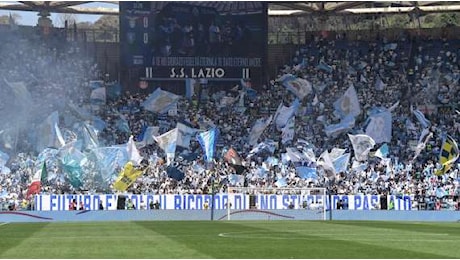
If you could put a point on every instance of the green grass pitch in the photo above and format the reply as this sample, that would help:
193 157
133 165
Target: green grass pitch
230 239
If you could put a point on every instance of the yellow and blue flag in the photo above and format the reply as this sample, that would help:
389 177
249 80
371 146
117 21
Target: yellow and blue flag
448 155
127 177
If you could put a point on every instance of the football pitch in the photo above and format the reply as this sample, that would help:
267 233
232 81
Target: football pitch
230 239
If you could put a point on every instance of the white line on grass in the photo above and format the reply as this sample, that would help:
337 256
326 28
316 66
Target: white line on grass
321 236
2 224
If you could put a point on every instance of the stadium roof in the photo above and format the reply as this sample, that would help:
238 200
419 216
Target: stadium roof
276 8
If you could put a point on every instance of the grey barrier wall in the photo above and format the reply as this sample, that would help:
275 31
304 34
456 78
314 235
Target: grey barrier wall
221 215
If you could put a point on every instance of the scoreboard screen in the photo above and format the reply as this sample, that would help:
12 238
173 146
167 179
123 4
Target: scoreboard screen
199 40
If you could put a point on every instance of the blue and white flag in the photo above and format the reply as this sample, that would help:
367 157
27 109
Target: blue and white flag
298 86
267 145
324 66
382 152
348 104
288 131
236 180
306 172
185 134
341 163
148 135
358 167
258 128
160 101
122 125
379 85
133 154
362 144
49 134
421 118
296 156
283 114
281 182
346 124
379 127
207 141
98 96
168 142
3 158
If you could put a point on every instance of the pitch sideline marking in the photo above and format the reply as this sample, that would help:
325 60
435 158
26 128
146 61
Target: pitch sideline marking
2 224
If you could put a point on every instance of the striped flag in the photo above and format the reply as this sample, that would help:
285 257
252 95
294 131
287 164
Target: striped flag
448 155
35 185
207 141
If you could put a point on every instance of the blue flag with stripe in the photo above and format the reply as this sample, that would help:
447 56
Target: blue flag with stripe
207 141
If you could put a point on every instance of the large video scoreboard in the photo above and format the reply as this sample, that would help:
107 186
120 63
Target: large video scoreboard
179 40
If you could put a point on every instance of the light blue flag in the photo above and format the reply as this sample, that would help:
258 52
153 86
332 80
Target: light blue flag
298 86
49 134
108 163
382 152
235 179
122 125
184 134
267 145
421 118
3 158
160 101
324 66
306 172
341 163
207 141
346 124
283 114
379 85
258 128
281 182
261 172
379 127
440 192
348 104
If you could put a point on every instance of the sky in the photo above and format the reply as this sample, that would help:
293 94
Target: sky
30 18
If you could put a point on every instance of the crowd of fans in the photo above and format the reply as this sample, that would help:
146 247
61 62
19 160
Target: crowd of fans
421 73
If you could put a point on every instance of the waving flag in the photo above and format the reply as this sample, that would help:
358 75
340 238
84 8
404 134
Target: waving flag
127 177
382 152
288 131
425 136
341 163
160 101
133 153
306 172
3 158
168 142
379 127
379 85
348 104
421 118
362 144
346 124
98 96
207 141
234 159
283 114
267 145
49 134
298 86
184 134
258 128
35 185
448 155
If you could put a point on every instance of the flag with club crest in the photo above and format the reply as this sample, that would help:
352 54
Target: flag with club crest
362 144
348 104
160 101
298 86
